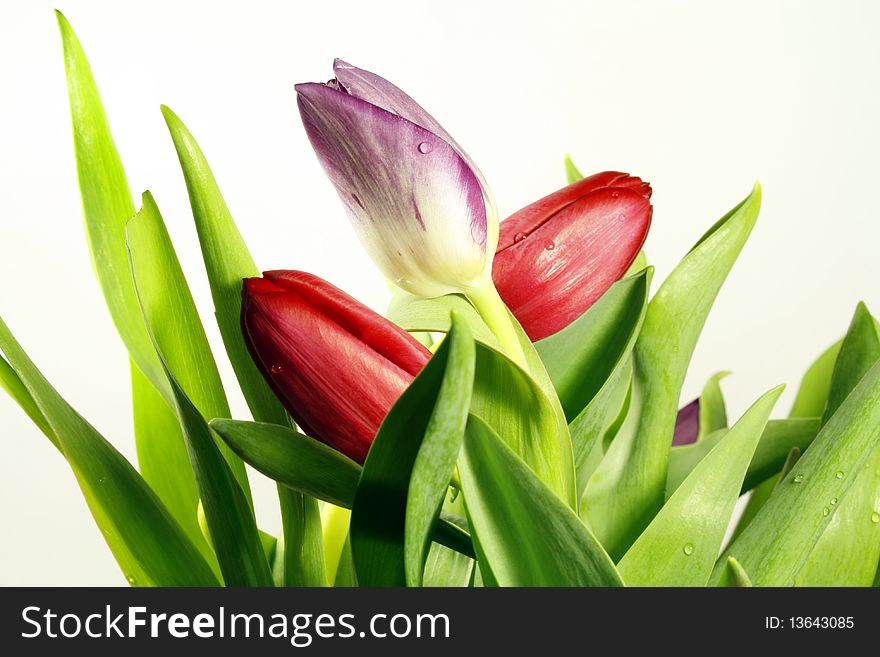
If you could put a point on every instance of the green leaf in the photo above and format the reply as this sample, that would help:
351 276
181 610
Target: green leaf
445 567
848 551
389 532
418 315
571 171
813 391
628 488
229 514
582 357
292 459
681 544
107 207
587 359
148 544
713 413
10 382
762 493
777 543
163 459
522 407
779 437
227 262
299 557
524 534
438 453
735 575
172 319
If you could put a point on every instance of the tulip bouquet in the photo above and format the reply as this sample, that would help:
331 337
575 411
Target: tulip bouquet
514 419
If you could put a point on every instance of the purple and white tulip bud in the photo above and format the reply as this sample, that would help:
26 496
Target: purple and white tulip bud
418 203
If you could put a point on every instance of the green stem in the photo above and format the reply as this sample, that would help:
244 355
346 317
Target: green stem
493 311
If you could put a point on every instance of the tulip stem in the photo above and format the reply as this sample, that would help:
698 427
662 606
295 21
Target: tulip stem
493 311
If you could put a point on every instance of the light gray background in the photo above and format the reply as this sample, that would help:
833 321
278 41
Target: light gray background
700 98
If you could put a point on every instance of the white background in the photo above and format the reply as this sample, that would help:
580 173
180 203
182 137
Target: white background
700 98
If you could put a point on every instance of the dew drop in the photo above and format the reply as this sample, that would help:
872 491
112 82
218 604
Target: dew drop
689 549
798 478
519 237
826 511
839 474
875 517
131 580
425 147
276 369
615 194
833 501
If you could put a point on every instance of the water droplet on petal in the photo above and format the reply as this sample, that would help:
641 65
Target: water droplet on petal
875 517
549 245
839 474
798 478
615 194
519 237
826 511
689 549
276 369
425 147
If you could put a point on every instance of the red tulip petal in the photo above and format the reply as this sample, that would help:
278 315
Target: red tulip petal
551 276
687 424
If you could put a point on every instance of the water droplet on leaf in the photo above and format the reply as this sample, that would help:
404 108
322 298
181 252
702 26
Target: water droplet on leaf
519 237
833 501
839 474
826 511
689 549
131 580
875 517
798 478
425 147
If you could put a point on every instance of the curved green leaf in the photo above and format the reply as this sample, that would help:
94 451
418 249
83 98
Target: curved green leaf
107 206
149 546
628 488
173 322
848 551
571 171
779 437
777 543
524 534
436 458
681 544
296 461
521 407
228 261
388 532
713 413
10 382
813 391
735 575
587 359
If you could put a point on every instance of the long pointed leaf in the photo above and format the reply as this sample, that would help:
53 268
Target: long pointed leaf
848 551
149 546
681 544
228 261
432 411
171 317
628 488
524 534
777 543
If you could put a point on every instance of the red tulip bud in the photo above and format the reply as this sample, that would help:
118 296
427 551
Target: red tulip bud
336 365
557 256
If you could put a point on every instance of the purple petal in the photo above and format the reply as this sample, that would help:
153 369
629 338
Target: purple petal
378 91
406 188
687 424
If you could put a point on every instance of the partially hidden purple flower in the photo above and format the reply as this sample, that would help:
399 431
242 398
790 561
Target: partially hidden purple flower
418 203
687 424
